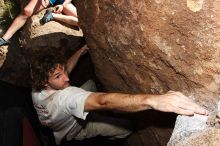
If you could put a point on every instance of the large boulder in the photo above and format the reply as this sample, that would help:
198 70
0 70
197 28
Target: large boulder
155 46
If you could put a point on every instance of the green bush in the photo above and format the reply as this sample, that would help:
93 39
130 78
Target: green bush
10 10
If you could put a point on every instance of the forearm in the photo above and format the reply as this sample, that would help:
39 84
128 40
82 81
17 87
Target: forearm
118 101
71 63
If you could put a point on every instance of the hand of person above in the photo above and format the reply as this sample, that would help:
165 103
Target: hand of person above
176 102
83 50
58 9
45 3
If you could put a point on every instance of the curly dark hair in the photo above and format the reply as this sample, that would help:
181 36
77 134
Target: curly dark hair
42 65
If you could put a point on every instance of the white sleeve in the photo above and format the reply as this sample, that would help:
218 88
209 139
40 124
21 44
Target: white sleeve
72 101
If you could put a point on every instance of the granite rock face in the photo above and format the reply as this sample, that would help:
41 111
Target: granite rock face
154 46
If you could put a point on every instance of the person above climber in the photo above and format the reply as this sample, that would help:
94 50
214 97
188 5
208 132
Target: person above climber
69 17
66 109
35 6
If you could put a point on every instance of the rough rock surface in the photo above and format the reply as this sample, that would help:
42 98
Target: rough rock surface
154 46
194 132
197 130
208 137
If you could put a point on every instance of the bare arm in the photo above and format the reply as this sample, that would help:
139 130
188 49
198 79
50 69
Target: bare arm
117 101
171 102
72 61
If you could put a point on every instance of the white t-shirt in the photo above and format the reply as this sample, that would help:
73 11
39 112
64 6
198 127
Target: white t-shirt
58 110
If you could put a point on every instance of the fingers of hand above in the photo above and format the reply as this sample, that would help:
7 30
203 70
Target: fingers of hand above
44 3
85 47
183 112
83 50
192 106
201 111
181 109
185 103
174 107
58 8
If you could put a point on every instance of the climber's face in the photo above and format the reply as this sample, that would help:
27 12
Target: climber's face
58 78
